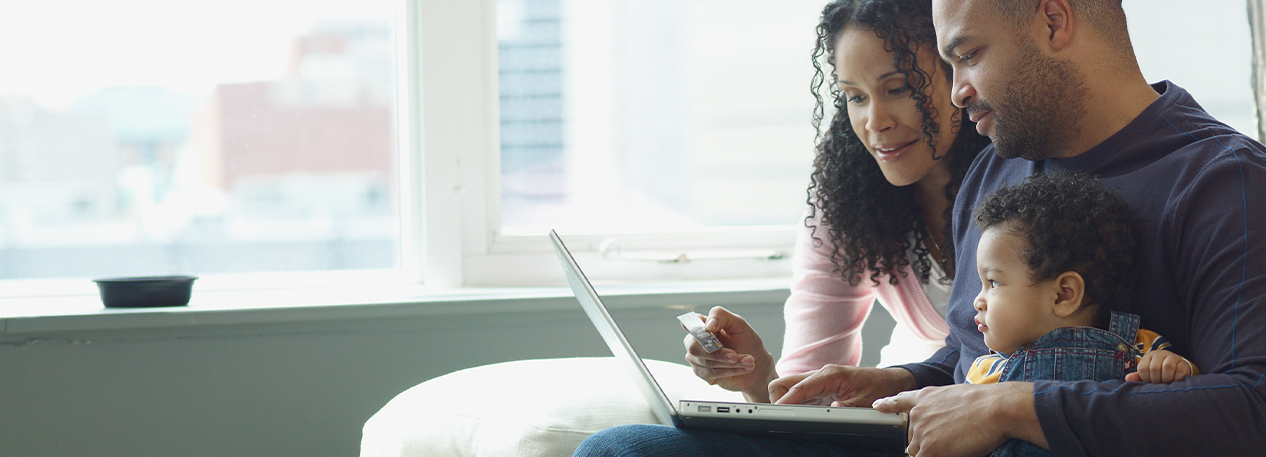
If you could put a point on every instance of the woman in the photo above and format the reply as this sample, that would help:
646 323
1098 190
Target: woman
885 175
887 169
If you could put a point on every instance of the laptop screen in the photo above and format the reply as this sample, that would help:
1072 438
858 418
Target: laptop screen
592 304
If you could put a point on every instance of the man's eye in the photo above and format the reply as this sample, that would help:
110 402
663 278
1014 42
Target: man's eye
967 58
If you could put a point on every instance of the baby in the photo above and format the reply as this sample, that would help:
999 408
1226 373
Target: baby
1056 264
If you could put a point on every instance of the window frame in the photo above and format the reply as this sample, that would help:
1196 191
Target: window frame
1257 30
454 54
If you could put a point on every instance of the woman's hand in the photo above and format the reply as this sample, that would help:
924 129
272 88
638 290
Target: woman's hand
743 365
840 385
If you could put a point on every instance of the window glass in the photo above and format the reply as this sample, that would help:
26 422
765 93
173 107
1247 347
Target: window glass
200 136
624 116
663 115
1204 47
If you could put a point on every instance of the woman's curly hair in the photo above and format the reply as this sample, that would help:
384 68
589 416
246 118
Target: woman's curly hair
873 224
1071 223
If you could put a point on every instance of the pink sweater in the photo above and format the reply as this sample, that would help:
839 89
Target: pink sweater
824 314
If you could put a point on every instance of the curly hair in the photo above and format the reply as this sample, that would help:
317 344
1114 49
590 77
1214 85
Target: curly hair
873 224
1071 223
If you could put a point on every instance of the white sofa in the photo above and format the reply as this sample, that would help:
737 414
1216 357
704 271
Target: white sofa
542 407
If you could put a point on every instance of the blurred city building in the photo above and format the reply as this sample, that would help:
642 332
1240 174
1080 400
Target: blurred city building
319 141
292 174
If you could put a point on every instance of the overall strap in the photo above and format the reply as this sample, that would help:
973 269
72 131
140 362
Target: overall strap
1125 326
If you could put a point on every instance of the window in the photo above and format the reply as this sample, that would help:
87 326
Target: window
1210 54
643 131
442 138
141 137
654 116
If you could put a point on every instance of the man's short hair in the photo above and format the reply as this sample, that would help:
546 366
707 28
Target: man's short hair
1105 16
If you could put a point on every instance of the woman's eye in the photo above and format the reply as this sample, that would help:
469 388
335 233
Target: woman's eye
899 91
856 98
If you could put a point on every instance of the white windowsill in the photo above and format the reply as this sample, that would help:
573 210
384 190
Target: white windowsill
85 313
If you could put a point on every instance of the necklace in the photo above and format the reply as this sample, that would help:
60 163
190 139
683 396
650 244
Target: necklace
934 248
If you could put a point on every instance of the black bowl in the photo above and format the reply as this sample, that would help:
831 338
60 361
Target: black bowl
145 291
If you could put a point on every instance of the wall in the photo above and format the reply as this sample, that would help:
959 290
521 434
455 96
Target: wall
303 387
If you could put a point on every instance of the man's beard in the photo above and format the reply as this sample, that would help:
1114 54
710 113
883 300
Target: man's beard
1037 118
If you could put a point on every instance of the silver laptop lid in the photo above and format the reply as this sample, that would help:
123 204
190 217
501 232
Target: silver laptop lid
592 304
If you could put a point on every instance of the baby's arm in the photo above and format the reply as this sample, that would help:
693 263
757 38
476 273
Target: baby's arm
1162 366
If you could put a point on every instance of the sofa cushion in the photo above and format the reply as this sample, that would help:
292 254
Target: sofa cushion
542 407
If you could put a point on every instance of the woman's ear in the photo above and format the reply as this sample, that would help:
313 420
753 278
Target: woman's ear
1070 293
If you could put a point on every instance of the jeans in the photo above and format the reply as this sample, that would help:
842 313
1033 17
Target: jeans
665 441
1072 354
1078 354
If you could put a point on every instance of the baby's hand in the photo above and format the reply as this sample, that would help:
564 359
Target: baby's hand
1161 366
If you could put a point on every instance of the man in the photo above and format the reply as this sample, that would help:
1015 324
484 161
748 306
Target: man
1056 82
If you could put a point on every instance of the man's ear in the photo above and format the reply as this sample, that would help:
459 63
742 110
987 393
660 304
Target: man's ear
1056 18
1070 293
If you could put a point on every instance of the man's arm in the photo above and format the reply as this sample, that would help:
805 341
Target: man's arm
1212 243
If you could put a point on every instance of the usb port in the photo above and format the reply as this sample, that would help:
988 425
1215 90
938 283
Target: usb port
723 409
705 409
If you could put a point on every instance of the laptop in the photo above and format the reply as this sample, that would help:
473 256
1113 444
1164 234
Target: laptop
856 428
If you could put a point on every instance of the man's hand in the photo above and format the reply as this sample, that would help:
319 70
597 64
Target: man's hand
840 385
1161 366
743 365
966 420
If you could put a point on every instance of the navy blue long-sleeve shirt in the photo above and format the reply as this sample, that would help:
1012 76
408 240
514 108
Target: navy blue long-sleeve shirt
1197 189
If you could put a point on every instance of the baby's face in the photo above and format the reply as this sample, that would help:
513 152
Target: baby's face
1011 309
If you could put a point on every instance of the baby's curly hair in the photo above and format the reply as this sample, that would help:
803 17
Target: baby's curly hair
1071 223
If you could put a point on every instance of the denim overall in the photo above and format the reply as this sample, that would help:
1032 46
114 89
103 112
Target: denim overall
1073 354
